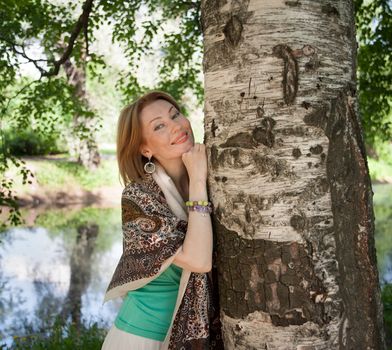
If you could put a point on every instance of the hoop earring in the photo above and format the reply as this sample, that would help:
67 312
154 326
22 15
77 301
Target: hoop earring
149 167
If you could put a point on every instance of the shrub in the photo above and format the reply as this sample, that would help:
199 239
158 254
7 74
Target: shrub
28 142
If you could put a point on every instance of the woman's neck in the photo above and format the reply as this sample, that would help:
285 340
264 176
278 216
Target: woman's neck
178 173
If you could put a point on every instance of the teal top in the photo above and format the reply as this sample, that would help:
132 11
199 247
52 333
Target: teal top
148 311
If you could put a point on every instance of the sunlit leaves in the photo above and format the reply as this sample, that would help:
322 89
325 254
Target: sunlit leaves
374 31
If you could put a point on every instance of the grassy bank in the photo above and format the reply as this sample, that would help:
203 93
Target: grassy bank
60 173
59 336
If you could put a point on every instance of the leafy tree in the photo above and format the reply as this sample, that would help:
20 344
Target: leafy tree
374 28
63 30
64 38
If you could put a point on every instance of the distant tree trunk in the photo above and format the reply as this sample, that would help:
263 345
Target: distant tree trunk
85 149
289 177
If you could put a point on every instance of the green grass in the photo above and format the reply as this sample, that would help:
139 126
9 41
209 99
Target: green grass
60 174
59 337
52 174
380 170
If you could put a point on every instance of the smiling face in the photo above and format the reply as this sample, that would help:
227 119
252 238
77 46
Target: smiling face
166 133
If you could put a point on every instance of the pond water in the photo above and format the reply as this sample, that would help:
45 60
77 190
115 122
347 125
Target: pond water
63 264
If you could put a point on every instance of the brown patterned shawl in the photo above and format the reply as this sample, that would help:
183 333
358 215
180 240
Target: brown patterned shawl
152 236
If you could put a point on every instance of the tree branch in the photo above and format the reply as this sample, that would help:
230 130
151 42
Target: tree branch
80 24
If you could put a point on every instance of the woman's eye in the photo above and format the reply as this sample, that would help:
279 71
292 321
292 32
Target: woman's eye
158 127
175 115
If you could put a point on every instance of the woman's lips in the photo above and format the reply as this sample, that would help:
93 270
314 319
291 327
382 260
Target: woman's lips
181 139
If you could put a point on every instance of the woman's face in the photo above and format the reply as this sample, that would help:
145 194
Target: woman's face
166 133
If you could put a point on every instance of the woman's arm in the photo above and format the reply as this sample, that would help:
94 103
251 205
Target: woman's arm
196 252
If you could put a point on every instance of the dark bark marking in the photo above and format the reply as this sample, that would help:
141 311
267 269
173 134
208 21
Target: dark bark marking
330 10
296 153
273 166
227 157
305 104
318 117
241 140
263 134
292 3
297 130
213 128
233 30
260 135
246 272
316 149
290 72
313 64
298 222
220 178
214 157
260 110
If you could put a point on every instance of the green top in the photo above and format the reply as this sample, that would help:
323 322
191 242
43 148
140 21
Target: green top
148 311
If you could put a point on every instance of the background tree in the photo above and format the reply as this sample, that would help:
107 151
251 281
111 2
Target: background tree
39 103
294 218
374 28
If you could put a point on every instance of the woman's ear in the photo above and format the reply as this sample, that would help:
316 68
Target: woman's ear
146 153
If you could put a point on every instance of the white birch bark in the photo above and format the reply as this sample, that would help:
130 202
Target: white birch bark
289 179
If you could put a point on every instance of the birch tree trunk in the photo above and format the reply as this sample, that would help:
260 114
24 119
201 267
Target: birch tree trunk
289 178
82 145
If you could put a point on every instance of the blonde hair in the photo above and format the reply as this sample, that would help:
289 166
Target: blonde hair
129 137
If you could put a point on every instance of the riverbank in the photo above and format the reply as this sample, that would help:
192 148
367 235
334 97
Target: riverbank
59 181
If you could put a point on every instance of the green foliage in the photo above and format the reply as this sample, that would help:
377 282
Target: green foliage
28 142
59 336
51 100
386 296
374 28
181 49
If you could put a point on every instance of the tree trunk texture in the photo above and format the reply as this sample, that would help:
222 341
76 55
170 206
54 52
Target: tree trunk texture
85 148
289 178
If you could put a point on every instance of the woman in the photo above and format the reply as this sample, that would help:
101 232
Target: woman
167 237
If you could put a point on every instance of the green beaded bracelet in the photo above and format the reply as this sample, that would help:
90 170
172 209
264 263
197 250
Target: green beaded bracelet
193 203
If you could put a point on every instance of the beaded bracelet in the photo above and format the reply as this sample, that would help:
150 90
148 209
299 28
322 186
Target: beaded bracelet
203 207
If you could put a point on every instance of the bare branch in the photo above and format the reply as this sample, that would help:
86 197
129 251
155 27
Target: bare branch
22 53
80 24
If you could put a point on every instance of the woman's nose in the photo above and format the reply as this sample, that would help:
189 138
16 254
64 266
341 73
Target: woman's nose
176 127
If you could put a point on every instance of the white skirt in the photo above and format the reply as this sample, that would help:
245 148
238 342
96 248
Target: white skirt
116 339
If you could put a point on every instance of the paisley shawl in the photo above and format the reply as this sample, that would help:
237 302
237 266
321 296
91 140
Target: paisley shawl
152 236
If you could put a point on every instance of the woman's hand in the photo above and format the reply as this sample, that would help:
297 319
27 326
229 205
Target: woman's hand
195 161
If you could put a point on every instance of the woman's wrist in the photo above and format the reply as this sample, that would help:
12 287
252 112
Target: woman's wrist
197 182
198 190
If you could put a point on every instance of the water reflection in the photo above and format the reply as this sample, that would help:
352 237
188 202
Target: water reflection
59 270
61 266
